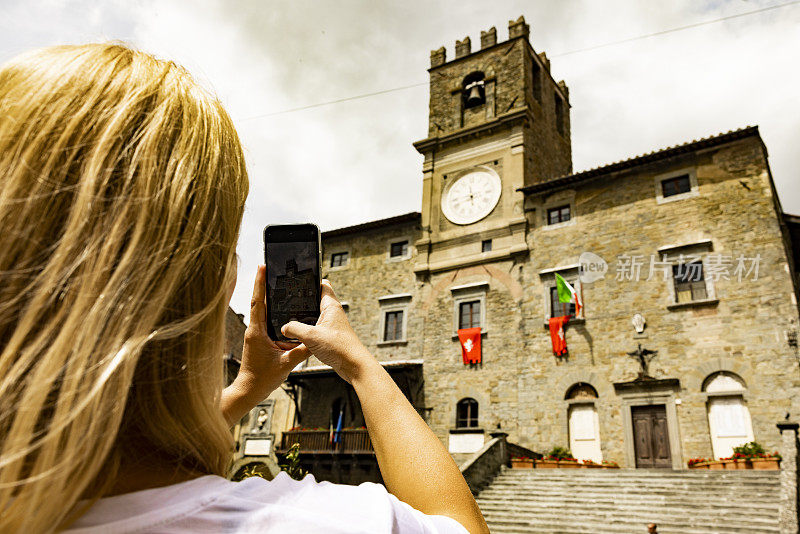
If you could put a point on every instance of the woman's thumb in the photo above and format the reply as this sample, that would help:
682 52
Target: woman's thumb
297 330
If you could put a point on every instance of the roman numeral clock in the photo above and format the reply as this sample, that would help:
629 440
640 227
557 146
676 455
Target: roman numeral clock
472 196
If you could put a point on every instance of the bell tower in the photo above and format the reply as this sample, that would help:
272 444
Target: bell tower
498 121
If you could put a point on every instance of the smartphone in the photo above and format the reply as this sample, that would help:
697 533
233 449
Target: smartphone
292 256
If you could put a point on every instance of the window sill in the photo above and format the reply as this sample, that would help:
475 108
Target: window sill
338 268
455 335
556 226
394 342
572 321
693 304
467 430
680 196
395 259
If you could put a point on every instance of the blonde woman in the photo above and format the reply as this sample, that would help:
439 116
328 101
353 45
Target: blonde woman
122 186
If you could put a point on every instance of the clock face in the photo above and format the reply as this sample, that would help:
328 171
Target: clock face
471 197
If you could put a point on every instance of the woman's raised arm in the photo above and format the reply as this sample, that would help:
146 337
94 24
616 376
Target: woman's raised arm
416 467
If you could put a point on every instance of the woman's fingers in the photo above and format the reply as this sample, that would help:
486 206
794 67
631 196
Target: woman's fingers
297 355
297 330
327 293
258 304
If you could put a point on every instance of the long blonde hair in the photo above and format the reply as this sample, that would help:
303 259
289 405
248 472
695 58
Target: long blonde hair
122 187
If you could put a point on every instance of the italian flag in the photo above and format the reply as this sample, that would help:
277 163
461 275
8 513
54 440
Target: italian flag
567 293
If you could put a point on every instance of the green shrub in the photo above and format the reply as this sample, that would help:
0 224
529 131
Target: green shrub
292 465
560 453
749 450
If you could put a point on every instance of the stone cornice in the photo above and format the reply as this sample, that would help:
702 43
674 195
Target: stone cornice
503 121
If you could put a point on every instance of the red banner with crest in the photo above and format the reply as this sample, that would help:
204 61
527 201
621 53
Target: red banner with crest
470 344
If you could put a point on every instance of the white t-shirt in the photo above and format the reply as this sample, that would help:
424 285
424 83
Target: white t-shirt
212 504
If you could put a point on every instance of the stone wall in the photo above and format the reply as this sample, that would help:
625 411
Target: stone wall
234 334
744 332
521 386
371 274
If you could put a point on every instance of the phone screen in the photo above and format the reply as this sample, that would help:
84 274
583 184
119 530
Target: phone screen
293 278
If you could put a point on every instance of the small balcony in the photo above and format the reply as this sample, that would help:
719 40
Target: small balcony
351 441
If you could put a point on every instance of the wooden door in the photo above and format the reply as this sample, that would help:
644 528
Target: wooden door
651 436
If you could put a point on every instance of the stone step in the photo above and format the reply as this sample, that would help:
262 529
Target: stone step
622 475
621 527
700 489
625 501
640 473
630 524
744 508
695 517
720 486
767 494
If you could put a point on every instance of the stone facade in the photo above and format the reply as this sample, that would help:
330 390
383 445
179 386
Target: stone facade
730 209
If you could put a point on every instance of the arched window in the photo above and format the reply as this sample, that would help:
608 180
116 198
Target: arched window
584 425
581 390
728 417
467 413
473 92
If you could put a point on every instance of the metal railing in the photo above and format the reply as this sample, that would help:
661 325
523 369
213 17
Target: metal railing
319 441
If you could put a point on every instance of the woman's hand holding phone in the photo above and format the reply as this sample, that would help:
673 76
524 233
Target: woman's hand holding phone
417 468
265 363
332 339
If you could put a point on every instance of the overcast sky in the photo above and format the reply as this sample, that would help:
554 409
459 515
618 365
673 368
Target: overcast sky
352 162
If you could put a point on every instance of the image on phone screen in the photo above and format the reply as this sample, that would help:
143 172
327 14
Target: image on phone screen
292 284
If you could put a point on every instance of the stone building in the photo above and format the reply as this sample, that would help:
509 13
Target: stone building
684 251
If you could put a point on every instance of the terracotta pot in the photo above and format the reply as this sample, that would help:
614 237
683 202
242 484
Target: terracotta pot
610 467
772 464
700 465
568 465
592 466
728 464
743 463
521 463
716 465
546 464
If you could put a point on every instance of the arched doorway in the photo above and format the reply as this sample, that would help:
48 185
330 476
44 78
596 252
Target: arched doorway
584 425
728 417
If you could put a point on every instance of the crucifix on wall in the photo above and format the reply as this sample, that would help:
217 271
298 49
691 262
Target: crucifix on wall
644 357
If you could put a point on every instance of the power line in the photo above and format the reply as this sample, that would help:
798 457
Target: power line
680 28
365 95
579 50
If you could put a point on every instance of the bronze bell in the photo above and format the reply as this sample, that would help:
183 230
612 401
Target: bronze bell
474 97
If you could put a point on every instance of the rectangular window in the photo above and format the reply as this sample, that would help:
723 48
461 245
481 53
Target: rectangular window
690 283
537 81
399 249
676 186
558 215
467 414
559 113
486 245
469 314
393 326
558 308
339 259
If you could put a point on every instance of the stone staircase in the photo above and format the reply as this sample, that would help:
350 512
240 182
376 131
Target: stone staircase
565 501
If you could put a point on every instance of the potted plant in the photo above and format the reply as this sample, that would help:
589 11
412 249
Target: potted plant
557 457
590 464
753 456
521 462
767 461
728 463
741 461
610 465
698 463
